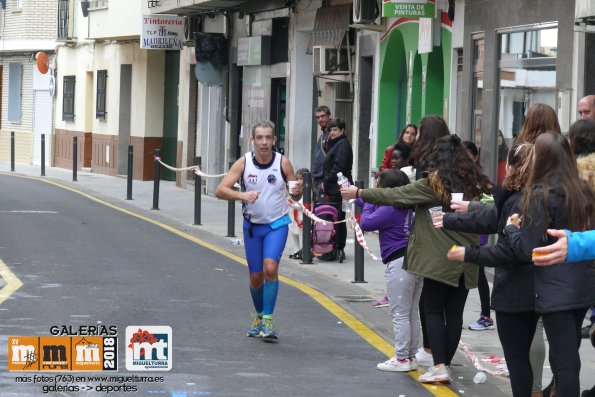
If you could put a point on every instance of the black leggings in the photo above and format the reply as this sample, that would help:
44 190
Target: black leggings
484 292
516 331
563 330
443 306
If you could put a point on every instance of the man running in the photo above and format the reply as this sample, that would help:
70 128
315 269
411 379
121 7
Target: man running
263 174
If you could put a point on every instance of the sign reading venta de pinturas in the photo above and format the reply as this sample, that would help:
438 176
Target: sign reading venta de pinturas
408 8
162 32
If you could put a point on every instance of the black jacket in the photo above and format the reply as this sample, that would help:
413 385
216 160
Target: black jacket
560 287
339 158
513 290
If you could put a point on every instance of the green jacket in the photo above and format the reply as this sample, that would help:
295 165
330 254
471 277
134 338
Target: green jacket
426 252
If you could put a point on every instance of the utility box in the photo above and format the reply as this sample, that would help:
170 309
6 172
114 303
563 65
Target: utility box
254 51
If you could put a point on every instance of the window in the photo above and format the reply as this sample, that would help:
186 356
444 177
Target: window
477 93
68 98
527 69
15 78
19 4
100 110
63 8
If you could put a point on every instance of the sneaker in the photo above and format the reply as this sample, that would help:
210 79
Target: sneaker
413 362
381 302
267 329
436 375
423 358
395 365
482 324
254 330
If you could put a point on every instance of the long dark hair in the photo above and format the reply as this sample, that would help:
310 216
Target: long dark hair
452 170
519 158
540 118
431 128
582 137
554 167
392 177
403 133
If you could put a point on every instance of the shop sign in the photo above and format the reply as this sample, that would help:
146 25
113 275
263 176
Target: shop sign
408 9
162 32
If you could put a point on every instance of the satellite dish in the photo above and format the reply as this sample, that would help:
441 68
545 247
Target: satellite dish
41 59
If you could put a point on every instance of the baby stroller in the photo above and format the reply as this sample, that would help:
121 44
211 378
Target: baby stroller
323 235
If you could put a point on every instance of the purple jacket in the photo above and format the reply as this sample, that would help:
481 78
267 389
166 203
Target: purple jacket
393 225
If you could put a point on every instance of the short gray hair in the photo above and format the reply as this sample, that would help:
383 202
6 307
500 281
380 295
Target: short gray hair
263 124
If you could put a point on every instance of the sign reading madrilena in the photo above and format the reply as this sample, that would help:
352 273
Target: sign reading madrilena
162 32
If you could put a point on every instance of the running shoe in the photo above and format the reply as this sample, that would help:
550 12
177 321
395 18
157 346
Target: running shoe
484 323
413 362
395 365
254 330
381 302
267 329
436 375
423 358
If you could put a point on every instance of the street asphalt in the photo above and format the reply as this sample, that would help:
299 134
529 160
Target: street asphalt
330 283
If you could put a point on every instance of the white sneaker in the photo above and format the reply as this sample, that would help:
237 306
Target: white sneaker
395 365
413 362
436 375
423 358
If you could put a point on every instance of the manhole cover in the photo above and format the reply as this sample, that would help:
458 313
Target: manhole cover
355 298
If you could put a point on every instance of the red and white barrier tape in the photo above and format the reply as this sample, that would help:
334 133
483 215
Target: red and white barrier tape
500 363
359 234
195 168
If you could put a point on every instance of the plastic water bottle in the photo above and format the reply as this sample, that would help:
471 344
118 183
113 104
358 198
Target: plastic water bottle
479 377
343 183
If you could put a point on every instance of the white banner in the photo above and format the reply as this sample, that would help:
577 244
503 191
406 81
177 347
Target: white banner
162 32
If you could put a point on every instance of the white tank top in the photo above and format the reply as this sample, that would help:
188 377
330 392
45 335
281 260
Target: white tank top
269 180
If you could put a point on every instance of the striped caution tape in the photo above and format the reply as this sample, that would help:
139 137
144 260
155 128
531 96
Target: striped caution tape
499 362
195 168
350 220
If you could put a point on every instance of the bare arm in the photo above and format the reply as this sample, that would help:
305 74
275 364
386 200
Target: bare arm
225 189
554 253
290 174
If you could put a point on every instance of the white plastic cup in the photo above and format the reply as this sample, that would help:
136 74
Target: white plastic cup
456 196
437 211
291 185
479 377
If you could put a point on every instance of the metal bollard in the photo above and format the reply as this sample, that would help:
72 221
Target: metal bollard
12 151
42 154
130 171
307 222
74 157
156 181
197 192
358 251
231 214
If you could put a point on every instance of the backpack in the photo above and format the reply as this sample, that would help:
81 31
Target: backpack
323 236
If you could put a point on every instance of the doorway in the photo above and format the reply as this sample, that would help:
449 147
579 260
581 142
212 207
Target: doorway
170 113
124 122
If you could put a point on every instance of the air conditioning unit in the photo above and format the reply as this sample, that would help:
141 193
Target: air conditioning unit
329 59
365 11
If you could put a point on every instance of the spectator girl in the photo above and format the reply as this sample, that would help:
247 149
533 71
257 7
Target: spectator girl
408 135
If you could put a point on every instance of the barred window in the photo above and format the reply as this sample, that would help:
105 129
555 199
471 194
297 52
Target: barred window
68 98
100 110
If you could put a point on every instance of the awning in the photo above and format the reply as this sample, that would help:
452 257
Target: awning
330 26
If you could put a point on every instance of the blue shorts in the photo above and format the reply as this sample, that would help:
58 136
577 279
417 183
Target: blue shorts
263 242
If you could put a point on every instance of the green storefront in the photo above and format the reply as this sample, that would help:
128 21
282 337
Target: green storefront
411 84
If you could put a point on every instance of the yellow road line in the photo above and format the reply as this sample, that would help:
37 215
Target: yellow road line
347 318
12 282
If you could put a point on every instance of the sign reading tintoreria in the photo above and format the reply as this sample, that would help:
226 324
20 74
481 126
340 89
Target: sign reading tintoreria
162 32
408 8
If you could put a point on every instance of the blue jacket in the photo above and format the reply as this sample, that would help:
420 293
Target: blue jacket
581 245
393 225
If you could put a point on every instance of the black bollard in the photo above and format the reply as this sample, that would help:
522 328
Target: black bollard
12 151
197 192
42 154
156 181
74 157
307 222
231 214
358 251
130 170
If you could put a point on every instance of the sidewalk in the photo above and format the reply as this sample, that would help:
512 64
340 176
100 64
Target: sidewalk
335 280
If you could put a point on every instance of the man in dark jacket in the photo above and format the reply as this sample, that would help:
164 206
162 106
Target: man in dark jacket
322 115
